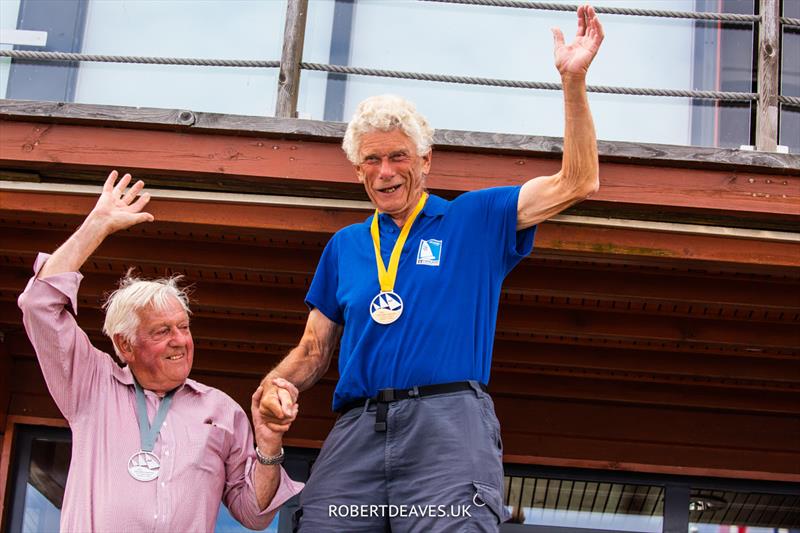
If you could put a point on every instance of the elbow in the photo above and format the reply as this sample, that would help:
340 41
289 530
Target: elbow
588 187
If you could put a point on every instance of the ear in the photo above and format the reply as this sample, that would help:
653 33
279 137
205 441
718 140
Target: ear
426 162
124 348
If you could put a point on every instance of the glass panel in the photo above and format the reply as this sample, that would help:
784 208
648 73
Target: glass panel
47 477
585 504
712 511
789 134
231 29
9 9
228 524
516 44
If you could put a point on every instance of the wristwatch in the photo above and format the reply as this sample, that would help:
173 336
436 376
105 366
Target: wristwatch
269 459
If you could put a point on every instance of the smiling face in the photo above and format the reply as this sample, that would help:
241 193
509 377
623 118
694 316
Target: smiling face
392 172
162 352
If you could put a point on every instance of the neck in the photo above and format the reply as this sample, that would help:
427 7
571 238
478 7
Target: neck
400 218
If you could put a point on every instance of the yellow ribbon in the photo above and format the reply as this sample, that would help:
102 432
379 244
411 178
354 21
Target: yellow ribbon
388 277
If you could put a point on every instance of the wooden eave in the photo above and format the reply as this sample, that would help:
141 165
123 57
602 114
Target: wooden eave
653 328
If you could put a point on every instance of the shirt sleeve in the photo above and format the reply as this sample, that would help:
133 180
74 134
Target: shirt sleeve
239 494
322 293
494 210
70 364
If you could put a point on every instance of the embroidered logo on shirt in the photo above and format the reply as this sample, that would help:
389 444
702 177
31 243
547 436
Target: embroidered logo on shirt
430 252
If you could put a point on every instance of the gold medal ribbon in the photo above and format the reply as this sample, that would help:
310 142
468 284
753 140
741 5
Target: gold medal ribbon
388 277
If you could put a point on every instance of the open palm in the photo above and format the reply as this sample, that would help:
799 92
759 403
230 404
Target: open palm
575 57
116 208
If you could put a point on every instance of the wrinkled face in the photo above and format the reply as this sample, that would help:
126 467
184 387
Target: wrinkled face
161 355
392 172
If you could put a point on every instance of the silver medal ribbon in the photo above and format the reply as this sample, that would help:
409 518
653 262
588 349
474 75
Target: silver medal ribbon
144 464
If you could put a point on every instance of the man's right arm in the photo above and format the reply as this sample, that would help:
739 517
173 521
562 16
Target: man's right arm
303 366
66 356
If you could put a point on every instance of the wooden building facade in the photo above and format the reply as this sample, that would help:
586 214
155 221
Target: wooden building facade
654 330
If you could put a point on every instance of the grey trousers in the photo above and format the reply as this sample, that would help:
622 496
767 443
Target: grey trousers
437 468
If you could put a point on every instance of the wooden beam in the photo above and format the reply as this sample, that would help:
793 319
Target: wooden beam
289 75
551 236
768 75
546 147
255 164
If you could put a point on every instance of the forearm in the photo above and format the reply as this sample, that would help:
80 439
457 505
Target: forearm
71 255
580 165
303 366
267 478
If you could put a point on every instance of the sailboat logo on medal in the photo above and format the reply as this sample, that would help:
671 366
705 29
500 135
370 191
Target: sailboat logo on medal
386 307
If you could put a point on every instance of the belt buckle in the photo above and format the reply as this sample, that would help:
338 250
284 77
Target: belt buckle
386 395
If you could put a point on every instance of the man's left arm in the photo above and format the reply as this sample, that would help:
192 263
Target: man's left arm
546 196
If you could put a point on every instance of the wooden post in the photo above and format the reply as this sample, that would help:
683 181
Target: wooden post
289 77
768 75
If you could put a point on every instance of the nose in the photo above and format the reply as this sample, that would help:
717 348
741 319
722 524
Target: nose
386 168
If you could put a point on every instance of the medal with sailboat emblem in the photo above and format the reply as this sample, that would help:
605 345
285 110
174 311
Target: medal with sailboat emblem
386 307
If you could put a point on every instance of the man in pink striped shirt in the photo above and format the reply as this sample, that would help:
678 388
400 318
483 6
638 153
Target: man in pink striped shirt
151 449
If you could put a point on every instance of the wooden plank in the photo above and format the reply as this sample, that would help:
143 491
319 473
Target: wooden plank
547 147
255 164
650 435
551 236
289 75
513 320
768 75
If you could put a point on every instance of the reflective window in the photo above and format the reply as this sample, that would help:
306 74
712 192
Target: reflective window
712 510
9 10
585 504
508 43
219 29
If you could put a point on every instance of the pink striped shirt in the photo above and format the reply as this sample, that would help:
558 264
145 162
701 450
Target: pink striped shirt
205 445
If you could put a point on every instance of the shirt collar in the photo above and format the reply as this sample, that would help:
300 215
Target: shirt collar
434 207
124 376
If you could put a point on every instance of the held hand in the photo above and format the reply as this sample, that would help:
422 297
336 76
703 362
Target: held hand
277 405
115 209
575 57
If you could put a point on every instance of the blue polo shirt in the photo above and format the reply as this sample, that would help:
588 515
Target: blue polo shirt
451 270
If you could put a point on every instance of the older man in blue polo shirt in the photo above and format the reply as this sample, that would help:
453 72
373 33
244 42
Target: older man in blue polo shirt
412 295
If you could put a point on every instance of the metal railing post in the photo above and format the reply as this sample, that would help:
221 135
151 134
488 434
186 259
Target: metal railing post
768 75
289 76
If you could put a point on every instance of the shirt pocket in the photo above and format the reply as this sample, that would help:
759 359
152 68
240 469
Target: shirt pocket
208 444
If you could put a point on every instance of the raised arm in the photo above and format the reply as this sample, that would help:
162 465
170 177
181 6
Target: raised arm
302 367
67 358
546 196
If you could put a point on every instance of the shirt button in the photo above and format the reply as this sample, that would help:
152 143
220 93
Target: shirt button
155 516
166 452
163 484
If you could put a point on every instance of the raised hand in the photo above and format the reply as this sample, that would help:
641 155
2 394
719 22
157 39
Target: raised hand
575 57
116 209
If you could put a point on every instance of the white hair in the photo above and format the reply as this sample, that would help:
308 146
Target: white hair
385 113
134 294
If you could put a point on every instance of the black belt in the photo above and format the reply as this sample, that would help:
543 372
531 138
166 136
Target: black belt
387 396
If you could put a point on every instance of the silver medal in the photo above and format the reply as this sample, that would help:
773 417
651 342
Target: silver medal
144 466
386 307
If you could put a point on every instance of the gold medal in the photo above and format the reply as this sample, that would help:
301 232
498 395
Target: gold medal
387 306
